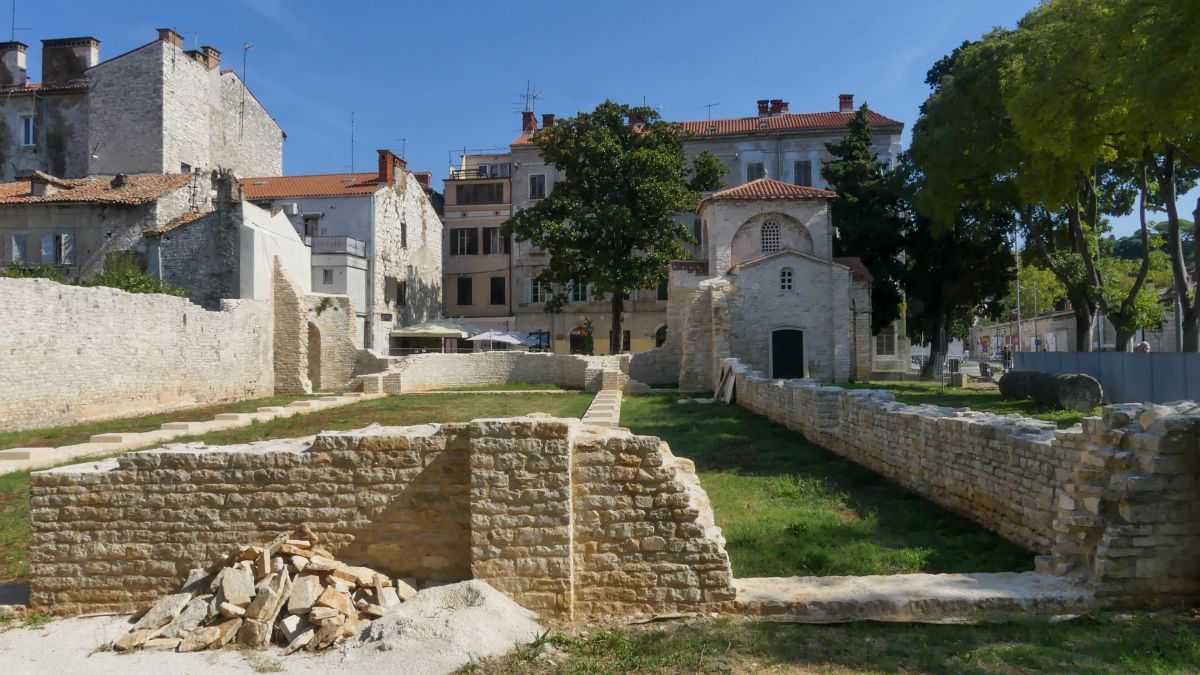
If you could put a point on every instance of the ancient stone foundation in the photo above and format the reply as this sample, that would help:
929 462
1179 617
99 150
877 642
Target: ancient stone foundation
1114 502
569 520
426 372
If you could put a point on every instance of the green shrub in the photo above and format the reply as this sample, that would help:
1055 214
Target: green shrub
123 271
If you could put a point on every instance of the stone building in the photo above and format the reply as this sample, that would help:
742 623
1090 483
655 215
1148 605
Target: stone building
159 108
374 236
768 291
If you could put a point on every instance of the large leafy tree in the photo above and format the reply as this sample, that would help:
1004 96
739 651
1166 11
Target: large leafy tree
867 215
611 221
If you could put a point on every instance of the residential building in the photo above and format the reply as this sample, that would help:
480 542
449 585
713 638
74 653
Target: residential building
213 248
156 109
375 237
477 267
775 143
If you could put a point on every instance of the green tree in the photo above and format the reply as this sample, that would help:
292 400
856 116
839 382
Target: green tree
610 222
867 216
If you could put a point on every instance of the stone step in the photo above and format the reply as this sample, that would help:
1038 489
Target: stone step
111 438
183 426
234 417
20 453
920 598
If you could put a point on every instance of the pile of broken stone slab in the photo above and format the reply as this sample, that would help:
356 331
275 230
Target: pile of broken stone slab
291 591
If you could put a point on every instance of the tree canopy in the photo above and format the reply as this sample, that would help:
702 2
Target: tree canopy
611 221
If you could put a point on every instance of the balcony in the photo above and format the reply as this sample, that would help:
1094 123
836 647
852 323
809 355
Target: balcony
338 245
484 171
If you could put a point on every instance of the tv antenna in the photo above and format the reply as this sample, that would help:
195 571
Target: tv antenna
709 107
245 59
530 98
15 27
403 145
351 141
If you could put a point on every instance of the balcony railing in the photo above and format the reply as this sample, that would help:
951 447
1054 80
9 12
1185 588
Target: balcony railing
489 171
346 245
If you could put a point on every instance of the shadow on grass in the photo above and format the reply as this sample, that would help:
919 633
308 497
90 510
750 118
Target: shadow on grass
789 507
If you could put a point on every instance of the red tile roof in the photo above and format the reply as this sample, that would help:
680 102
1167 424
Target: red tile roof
858 270
769 188
176 223
325 185
138 189
822 121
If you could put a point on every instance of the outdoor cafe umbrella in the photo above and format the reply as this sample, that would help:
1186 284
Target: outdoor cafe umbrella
502 337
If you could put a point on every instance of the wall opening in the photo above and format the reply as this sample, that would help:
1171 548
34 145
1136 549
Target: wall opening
314 355
787 353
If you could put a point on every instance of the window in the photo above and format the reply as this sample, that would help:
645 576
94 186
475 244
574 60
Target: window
537 186
464 291
327 277
483 193
579 292
662 290
184 167
19 251
496 291
660 336
696 228
58 249
785 279
464 241
885 342
495 241
755 170
770 236
310 224
402 293
28 131
403 235
538 291
802 172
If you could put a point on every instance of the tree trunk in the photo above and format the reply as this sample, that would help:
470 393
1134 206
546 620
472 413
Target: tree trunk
1179 272
1083 322
1124 340
614 337
1191 311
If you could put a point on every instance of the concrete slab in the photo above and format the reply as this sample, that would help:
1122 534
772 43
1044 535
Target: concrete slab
919 598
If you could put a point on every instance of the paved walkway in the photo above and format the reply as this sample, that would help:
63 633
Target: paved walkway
103 445
919 598
605 410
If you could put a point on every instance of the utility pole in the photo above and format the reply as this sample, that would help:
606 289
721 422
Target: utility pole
1035 315
1018 304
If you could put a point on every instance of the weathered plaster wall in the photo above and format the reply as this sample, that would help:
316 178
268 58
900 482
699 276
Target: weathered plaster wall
73 354
571 521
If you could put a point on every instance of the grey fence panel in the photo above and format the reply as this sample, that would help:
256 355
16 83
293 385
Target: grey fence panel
1127 377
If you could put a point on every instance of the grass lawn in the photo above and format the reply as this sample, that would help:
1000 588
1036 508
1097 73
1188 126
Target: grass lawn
390 410
984 400
514 386
788 507
80 433
1139 643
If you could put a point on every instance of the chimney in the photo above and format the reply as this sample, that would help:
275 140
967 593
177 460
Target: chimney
388 163
119 181
169 35
424 178
214 56
528 122
65 59
763 110
547 120
846 103
15 72
781 107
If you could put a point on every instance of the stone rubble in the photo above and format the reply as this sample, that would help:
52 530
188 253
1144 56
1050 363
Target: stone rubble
292 592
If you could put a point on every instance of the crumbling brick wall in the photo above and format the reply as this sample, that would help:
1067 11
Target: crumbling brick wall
515 502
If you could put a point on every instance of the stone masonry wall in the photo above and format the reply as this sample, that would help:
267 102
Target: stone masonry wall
72 354
519 503
425 372
291 336
1113 502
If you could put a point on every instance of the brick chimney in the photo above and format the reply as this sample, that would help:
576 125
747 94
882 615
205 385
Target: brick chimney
846 103
65 59
778 107
528 122
763 109
547 120
15 73
424 178
169 35
388 163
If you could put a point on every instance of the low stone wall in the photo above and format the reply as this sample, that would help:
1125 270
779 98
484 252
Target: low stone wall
569 520
72 354
426 372
1114 502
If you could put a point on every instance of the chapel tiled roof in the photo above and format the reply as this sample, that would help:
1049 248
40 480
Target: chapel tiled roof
857 269
138 189
821 121
324 185
769 188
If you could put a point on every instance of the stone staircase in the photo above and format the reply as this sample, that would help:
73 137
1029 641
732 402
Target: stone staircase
605 410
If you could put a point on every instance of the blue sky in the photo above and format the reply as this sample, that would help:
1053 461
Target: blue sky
448 75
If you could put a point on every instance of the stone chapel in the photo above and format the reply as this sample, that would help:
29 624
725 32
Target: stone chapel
768 290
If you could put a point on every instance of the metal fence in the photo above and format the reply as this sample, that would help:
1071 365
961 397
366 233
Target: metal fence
1127 377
